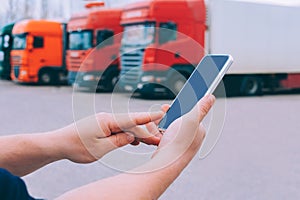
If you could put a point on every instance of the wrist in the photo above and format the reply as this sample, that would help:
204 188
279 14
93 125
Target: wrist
70 146
51 145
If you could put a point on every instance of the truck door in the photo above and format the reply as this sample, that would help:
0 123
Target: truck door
37 57
106 49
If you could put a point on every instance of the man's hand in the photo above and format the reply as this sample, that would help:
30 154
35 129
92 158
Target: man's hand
187 133
177 147
182 139
91 138
84 141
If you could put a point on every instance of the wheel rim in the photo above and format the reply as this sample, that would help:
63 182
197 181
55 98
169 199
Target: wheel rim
114 80
252 87
46 78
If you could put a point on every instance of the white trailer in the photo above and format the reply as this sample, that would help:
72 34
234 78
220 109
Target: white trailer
263 36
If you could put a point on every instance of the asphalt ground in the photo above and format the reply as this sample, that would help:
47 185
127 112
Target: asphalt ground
256 157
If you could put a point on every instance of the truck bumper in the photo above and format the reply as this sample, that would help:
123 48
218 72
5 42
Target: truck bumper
151 89
88 79
149 83
21 75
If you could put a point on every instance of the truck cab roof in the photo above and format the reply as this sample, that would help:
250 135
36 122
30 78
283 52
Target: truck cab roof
43 27
95 19
7 29
165 10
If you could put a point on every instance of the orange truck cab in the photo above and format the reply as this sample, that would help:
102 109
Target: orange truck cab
38 52
94 43
161 38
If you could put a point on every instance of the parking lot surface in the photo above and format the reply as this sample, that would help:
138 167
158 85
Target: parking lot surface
256 157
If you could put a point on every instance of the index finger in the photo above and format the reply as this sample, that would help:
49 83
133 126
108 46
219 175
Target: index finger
123 122
164 108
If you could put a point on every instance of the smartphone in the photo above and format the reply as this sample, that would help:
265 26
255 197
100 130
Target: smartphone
203 80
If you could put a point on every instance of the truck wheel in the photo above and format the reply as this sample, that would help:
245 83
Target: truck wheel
110 81
251 85
176 83
46 78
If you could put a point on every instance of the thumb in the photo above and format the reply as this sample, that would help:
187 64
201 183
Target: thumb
118 140
202 107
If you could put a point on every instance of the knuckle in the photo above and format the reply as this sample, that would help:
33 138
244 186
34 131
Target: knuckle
204 109
118 140
103 120
102 116
202 131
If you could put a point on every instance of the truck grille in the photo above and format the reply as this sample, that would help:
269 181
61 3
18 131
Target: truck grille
131 63
75 63
16 71
16 60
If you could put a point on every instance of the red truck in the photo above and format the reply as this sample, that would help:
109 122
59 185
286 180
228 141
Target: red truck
92 57
164 40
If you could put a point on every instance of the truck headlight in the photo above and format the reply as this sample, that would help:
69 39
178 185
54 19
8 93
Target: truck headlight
160 79
88 78
23 73
148 78
91 78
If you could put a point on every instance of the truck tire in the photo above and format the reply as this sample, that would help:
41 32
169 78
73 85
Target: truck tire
175 84
47 77
251 86
110 81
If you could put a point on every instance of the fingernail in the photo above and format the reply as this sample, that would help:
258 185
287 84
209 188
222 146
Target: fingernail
130 138
212 98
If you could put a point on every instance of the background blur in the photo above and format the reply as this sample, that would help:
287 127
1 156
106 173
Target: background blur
13 10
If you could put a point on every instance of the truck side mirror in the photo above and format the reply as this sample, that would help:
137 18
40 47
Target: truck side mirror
6 41
167 32
30 42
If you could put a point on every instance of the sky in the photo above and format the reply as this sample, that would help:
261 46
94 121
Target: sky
76 5
57 9
62 9
4 6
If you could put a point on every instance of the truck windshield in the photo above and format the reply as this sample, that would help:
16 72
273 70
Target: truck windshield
139 34
19 41
81 40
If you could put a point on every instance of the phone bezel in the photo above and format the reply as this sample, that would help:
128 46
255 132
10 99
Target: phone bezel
213 85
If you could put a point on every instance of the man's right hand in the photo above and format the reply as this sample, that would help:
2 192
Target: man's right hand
185 135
